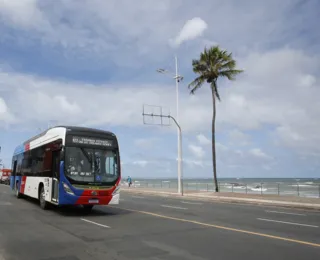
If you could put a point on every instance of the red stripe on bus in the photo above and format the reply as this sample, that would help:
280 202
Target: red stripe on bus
23 184
27 147
97 192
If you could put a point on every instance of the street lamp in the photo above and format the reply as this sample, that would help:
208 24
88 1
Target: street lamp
178 78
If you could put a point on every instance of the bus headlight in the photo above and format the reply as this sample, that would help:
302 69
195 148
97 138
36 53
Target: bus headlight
67 189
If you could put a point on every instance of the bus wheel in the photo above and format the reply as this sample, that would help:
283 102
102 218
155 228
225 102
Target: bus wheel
18 194
87 208
43 203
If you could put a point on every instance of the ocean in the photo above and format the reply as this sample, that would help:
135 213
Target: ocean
303 187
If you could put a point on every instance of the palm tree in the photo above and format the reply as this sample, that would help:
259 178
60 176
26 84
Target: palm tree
213 64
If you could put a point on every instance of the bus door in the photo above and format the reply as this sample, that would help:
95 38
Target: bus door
55 175
14 174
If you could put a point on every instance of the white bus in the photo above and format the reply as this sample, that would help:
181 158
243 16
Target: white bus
68 165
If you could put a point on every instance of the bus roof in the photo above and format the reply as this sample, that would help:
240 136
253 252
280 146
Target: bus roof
55 132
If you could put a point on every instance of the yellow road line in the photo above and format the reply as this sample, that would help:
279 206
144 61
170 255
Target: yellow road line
221 227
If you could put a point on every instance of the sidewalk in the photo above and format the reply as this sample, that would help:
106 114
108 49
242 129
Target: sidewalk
275 200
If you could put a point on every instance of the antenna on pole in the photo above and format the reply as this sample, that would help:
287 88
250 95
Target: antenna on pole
156 115
159 117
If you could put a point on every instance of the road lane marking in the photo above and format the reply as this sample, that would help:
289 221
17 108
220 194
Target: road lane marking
289 223
288 213
220 227
193 203
138 197
173 207
95 223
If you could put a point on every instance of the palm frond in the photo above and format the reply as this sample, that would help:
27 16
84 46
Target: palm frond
213 64
229 64
230 74
199 66
196 84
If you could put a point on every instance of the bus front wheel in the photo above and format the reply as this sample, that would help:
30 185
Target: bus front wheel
42 197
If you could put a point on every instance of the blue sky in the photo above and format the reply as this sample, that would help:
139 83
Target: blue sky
93 63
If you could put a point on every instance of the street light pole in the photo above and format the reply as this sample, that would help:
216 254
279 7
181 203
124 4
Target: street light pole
177 78
179 132
177 87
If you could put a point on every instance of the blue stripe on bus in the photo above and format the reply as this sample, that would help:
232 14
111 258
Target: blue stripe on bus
19 149
13 180
65 198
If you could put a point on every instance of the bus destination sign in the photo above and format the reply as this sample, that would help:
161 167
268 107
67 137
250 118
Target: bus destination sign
91 141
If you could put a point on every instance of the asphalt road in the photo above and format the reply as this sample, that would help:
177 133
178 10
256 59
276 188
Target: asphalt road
150 227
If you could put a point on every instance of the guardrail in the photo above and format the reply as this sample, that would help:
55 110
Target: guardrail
311 190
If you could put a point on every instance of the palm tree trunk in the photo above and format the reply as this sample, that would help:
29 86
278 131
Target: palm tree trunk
214 139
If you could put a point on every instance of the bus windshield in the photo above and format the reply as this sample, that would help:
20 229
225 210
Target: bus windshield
91 166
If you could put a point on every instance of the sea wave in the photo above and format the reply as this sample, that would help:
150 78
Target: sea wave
303 185
258 189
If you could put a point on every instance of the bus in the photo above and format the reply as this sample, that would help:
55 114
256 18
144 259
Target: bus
68 165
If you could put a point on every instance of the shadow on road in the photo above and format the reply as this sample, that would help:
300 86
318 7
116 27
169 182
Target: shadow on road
78 210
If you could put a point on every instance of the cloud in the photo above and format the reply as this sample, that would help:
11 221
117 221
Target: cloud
5 115
203 140
252 158
258 153
195 164
24 14
145 143
72 102
247 104
236 137
197 151
191 30
140 163
93 63
127 33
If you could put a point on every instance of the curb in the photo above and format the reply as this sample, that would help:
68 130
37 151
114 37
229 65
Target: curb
288 204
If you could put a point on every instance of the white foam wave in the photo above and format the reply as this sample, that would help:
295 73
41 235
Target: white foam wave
258 189
303 185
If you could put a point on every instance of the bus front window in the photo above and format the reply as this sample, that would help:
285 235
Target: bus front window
88 166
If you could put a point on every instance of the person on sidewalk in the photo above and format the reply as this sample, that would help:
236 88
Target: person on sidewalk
129 180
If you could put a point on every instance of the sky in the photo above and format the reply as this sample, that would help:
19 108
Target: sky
93 63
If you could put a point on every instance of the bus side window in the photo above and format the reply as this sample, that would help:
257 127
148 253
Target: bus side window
110 165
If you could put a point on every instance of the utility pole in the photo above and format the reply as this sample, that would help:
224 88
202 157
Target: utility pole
161 116
177 78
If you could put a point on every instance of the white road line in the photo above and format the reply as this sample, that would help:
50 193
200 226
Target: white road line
138 197
284 222
98 224
288 213
194 203
173 207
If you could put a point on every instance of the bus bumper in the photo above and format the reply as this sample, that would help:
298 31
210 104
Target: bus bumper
115 199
